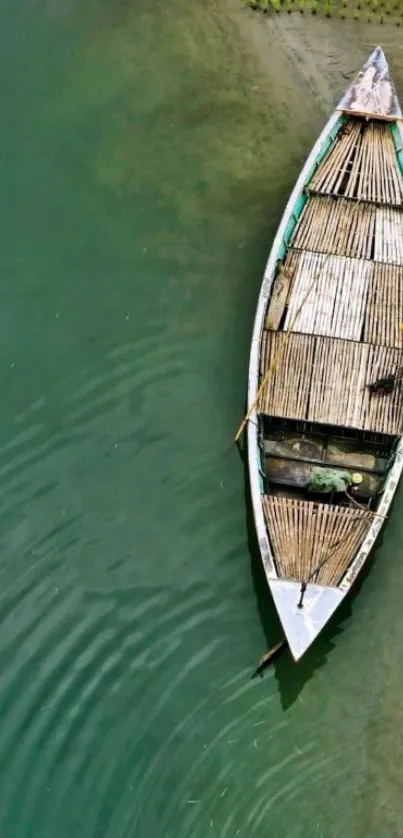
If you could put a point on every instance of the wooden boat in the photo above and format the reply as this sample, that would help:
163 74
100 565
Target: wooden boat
325 446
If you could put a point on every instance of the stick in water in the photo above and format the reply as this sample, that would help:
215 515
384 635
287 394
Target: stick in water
269 657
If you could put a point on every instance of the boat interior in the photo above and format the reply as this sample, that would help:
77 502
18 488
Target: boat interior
333 330
325 397
315 531
293 450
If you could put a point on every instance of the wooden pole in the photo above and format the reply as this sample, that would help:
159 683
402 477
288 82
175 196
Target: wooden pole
275 360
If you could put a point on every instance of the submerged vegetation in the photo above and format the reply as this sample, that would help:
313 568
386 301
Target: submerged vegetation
375 11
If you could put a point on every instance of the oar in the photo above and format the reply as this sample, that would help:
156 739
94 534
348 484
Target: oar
269 657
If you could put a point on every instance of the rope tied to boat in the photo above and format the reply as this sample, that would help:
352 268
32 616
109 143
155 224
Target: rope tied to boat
315 571
332 550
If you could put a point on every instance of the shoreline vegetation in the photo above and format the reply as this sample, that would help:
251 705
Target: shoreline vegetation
369 11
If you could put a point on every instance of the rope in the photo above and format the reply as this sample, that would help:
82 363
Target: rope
316 569
365 508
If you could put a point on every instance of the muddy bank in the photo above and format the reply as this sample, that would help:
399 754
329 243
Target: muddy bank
317 56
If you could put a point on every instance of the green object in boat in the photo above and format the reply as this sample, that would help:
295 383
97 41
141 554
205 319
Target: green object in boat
328 480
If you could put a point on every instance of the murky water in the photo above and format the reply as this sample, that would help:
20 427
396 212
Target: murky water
146 154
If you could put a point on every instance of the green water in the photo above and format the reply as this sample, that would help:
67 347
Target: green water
146 154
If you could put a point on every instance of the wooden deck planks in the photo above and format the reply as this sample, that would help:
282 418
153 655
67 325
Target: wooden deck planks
303 534
372 92
295 364
324 380
360 231
388 236
337 302
335 166
384 312
281 290
362 165
337 227
385 411
338 382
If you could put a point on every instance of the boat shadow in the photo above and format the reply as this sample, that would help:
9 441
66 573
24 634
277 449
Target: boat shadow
291 676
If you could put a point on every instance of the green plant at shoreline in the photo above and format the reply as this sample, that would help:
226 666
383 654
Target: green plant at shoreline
371 11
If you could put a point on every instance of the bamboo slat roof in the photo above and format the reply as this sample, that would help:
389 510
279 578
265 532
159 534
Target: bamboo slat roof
385 306
339 226
337 303
305 535
348 228
363 165
319 379
351 298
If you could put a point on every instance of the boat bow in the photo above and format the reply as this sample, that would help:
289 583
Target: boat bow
372 93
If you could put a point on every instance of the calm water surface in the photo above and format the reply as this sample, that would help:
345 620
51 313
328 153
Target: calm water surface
146 154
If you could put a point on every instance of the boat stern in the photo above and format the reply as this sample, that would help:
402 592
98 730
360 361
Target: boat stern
302 625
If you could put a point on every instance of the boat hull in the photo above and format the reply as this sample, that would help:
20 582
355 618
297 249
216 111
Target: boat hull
302 625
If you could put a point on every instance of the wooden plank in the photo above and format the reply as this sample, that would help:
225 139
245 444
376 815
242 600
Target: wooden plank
321 379
373 93
388 245
384 312
384 411
305 534
281 291
369 115
336 304
287 391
